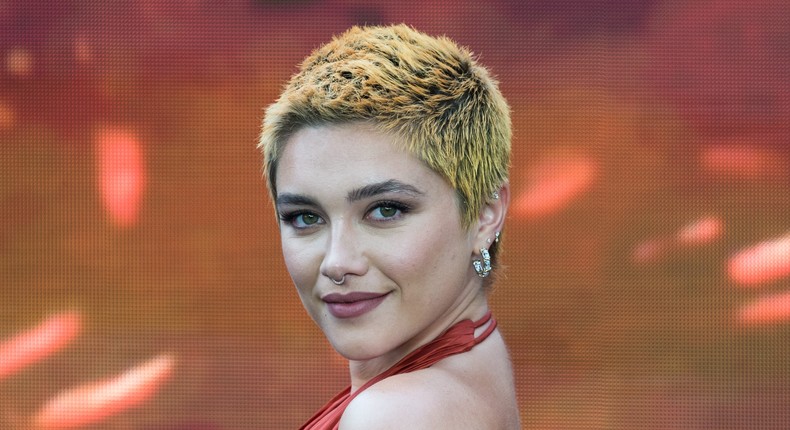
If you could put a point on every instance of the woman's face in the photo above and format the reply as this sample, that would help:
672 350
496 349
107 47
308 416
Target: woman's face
353 205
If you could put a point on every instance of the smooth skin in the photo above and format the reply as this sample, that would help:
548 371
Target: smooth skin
353 204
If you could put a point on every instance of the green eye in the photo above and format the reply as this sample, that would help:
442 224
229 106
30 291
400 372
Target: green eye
388 211
309 219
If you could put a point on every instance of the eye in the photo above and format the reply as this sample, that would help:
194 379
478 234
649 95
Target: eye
301 220
306 219
387 211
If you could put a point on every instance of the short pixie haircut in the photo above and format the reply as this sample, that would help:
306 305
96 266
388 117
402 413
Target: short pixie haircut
445 107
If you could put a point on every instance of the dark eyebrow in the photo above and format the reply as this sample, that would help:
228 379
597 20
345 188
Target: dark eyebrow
390 186
294 199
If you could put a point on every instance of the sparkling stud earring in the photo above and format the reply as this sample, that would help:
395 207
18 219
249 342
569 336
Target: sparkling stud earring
483 268
495 195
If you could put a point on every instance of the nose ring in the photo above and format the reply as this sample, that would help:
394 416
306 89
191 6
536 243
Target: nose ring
338 281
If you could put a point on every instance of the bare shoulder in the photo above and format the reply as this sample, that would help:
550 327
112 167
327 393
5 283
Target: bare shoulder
467 391
417 400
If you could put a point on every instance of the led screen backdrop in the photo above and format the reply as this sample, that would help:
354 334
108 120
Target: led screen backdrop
647 251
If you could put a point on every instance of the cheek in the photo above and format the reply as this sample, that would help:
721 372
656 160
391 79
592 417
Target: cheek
429 252
301 264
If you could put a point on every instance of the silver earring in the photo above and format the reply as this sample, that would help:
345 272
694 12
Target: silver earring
340 281
495 195
496 237
483 268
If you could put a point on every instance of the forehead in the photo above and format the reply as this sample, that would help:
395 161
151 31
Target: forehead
326 157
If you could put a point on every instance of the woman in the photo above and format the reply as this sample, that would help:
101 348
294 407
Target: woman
386 157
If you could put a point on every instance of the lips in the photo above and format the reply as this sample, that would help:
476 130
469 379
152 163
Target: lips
352 305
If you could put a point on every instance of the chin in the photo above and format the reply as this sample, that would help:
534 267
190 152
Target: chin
352 355
357 349
352 350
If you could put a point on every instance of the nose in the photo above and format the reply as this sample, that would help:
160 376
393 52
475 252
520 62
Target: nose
343 256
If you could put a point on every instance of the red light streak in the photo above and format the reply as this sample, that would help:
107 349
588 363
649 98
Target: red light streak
554 184
121 174
19 62
766 310
742 161
702 231
37 343
765 262
94 402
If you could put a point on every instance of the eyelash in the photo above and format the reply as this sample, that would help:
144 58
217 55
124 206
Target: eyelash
290 217
400 207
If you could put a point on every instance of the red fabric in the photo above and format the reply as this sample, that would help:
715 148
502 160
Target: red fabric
459 338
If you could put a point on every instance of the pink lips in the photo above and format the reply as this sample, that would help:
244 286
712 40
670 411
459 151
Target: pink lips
352 304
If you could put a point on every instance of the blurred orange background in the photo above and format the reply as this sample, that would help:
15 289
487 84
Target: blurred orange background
646 252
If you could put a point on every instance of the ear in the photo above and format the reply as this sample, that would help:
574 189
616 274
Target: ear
492 217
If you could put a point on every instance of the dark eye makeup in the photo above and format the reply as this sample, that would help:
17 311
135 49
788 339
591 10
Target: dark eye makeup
386 210
378 211
301 219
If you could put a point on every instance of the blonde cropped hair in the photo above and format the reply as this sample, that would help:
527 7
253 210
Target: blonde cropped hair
430 92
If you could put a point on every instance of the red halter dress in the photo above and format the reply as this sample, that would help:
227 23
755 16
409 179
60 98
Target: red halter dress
459 338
